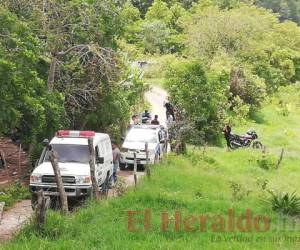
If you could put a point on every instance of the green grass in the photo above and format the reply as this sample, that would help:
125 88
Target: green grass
12 194
194 184
275 130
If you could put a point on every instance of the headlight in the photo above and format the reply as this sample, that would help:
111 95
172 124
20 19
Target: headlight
83 179
35 178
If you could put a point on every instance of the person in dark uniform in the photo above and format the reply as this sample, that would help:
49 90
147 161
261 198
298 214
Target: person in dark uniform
227 133
155 121
169 109
15 135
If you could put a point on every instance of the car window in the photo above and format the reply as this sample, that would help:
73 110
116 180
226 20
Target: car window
97 154
142 135
70 153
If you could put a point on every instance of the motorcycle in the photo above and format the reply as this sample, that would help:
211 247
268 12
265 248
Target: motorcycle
251 138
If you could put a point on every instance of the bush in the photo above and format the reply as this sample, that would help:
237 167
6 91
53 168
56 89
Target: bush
12 194
238 191
240 110
199 96
154 36
250 88
283 108
267 162
284 203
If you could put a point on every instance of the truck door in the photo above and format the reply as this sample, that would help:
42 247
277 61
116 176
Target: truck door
99 166
109 156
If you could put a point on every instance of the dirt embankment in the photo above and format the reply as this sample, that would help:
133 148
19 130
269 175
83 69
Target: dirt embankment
14 163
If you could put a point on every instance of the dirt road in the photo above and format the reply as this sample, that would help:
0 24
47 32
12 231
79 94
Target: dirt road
13 219
21 212
156 97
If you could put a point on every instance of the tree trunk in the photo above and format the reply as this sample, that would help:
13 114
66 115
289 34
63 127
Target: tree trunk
59 183
51 74
180 146
42 205
2 158
19 161
96 192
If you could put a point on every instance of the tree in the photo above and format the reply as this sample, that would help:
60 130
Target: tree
159 11
253 37
200 96
24 101
288 9
71 64
154 36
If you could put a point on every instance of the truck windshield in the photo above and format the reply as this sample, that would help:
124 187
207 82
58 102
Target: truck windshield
70 153
142 135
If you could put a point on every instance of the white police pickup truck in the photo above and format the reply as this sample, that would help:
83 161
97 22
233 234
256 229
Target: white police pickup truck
135 141
73 160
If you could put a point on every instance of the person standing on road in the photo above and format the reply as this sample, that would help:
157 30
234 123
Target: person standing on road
169 109
169 121
155 121
116 160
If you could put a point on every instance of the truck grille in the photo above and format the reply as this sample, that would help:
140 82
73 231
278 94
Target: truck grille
51 179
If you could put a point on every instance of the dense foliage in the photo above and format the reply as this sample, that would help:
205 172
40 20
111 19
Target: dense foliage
60 67
288 9
24 100
189 85
245 52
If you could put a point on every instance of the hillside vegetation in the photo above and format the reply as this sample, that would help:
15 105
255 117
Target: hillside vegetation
66 64
227 56
199 183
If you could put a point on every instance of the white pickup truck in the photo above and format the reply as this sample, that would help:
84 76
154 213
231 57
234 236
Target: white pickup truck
73 153
135 141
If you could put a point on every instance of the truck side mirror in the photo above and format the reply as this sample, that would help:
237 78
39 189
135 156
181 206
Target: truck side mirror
100 160
45 143
122 138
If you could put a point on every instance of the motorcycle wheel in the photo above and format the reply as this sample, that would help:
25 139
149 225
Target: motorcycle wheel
247 143
257 145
